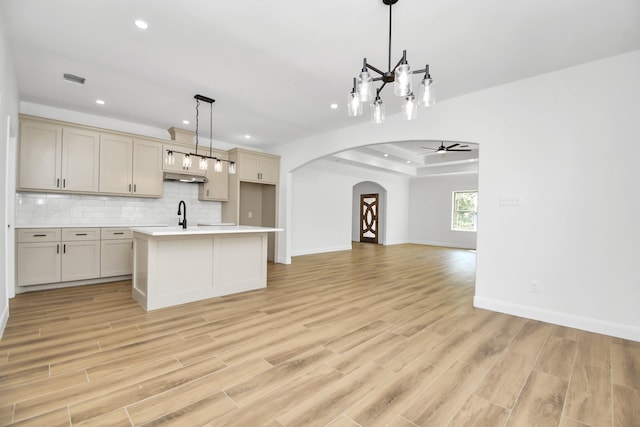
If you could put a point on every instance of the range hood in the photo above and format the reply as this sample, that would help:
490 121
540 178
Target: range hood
184 177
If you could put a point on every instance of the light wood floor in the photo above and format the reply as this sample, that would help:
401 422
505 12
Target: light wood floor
374 336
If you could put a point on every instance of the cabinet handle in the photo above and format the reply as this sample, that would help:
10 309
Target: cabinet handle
64 183
135 190
58 183
81 234
58 248
207 193
132 245
64 249
39 235
129 188
121 232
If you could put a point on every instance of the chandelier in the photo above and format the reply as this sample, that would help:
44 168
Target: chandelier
400 76
203 164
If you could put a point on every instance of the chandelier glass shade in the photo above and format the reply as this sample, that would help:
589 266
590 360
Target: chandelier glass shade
401 76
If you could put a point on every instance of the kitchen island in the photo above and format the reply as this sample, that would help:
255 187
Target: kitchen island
174 265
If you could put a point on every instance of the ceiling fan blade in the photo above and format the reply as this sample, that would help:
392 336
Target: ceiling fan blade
460 149
452 145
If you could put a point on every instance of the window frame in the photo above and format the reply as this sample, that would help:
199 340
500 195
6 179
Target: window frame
454 211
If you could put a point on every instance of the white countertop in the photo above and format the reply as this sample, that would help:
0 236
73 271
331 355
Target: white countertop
199 230
110 225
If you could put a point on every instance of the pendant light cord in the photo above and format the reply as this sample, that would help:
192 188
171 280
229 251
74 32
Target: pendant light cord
210 127
197 122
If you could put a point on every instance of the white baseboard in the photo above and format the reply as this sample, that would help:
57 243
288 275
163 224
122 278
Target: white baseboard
443 244
558 318
4 318
323 250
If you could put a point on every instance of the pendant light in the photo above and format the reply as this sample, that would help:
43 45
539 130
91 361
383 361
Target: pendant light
400 76
203 163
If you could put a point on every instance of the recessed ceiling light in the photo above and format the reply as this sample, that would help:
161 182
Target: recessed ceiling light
185 122
334 106
386 155
99 101
408 161
247 136
141 24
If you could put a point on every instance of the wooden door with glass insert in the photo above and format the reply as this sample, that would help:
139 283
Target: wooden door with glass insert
369 218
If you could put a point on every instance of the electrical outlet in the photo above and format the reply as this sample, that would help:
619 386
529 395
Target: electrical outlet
535 287
250 215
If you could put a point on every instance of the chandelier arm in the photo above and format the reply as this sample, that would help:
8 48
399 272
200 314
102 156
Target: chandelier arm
424 70
397 65
375 69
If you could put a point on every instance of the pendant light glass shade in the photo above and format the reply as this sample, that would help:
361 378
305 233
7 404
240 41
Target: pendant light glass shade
203 164
427 92
186 162
354 106
217 166
377 111
364 86
232 168
169 158
402 80
410 107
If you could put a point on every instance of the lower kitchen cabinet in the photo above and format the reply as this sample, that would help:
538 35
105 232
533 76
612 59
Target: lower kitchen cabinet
80 260
47 256
116 252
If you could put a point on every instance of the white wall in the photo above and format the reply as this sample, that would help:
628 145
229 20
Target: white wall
8 126
322 198
566 144
430 210
369 187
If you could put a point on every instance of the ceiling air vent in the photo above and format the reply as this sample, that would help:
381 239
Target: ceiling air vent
73 79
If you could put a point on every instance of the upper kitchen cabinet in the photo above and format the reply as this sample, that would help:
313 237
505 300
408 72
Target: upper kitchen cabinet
256 167
130 166
217 188
55 157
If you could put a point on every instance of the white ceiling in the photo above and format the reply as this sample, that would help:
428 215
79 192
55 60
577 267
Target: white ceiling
275 67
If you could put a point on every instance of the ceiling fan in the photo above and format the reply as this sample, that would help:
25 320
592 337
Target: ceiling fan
443 149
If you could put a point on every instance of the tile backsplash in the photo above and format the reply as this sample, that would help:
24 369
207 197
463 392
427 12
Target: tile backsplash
35 209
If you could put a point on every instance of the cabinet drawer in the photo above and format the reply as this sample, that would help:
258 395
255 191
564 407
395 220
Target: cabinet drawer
73 234
116 233
33 235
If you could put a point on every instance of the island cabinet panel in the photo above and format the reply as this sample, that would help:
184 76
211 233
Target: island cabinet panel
227 263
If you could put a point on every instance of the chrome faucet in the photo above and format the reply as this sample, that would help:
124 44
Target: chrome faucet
183 223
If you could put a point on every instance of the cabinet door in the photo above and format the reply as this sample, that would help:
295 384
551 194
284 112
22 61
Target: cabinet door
147 168
116 257
38 263
217 188
40 155
248 166
116 164
269 170
80 160
80 260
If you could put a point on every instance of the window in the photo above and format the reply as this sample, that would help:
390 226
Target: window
465 211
